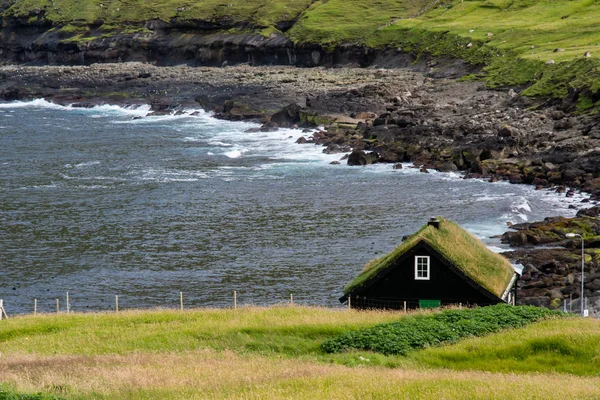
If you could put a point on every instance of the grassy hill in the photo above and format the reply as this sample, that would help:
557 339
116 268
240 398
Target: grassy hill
259 353
535 44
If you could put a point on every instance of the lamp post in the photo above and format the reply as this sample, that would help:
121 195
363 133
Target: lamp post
572 235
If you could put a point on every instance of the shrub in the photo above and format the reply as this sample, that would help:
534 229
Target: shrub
448 326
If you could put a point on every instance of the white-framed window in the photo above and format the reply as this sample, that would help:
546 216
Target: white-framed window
422 268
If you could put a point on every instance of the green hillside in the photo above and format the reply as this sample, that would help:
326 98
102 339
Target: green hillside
116 12
265 353
534 44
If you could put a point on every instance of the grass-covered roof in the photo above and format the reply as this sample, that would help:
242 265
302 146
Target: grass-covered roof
488 269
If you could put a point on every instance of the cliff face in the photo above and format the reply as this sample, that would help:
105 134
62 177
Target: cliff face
194 43
166 32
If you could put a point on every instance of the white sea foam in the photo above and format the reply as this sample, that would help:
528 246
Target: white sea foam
49 186
220 144
163 175
37 103
522 205
139 110
233 153
86 164
192 115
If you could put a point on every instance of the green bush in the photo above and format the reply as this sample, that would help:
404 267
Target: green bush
449 326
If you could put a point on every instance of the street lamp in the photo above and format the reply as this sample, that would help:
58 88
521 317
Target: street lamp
572 235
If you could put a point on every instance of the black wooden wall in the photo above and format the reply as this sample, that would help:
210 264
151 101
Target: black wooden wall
399 285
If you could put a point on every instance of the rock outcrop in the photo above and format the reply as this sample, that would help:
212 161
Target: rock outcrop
552 262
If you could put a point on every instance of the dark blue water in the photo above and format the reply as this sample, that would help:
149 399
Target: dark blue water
97 204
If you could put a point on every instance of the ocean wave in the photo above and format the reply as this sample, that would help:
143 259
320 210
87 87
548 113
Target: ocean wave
87 164
220 144
233 153
135 110
187 114
37 103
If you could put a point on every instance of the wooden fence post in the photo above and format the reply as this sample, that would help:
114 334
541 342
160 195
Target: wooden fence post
181 300
234 300
2 309
404 306
57 306
291 299
68 306
34 306
349 302
117 303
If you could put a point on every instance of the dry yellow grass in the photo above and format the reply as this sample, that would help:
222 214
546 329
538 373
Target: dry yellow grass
210 374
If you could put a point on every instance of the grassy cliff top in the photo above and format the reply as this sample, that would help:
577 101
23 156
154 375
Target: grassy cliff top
459 247
254 12
547 47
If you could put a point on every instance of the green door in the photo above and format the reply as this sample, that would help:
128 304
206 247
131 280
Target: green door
429 303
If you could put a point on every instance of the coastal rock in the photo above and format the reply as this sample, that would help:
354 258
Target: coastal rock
288 116
362 158
448 166
238 111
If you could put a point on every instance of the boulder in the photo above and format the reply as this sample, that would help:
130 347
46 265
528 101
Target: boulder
390 156
589 212
362 158
447 167
563 124
287 116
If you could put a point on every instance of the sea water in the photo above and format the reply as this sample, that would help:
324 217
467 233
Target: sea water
109 201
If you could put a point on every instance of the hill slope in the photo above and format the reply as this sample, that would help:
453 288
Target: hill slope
538 44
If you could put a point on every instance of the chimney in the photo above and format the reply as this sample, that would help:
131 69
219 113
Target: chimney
433 221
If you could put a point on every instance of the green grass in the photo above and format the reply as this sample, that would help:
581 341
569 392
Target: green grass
275 353
290 331
566 346
131 11
350 21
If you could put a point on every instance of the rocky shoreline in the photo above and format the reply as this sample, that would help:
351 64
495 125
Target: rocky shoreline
383 115
397 115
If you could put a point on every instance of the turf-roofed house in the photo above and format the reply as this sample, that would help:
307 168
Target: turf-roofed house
439 265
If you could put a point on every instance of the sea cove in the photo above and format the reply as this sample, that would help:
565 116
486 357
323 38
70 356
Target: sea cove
99 202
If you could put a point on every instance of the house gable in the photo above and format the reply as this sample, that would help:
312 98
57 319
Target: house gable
446 282
457 247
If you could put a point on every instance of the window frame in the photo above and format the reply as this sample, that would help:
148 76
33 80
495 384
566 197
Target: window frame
428 270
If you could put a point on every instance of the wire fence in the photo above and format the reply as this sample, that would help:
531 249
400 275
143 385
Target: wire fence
591 306
63 305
